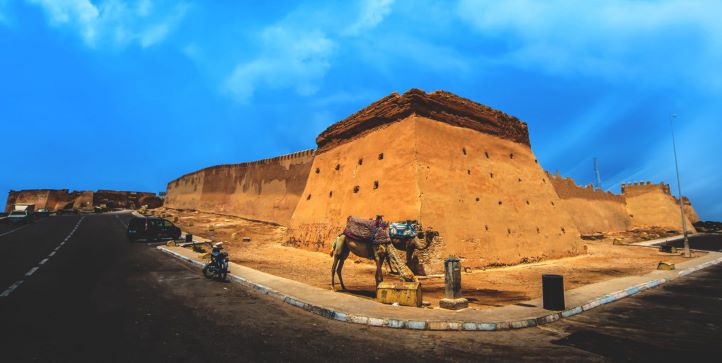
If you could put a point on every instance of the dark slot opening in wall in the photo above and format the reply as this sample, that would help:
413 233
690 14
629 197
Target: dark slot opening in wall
491 175
468 172
360 161
552 203
381 156
519 179
544 180
463 149
376 184
338 166
511 155
537 229
356 189
563 231
499 202
486 227
308 197
330 194
527 202
486 154
318 170
508 230
477 199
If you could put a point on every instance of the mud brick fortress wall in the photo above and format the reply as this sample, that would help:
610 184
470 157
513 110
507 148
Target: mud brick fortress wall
266 190
592 210
641 205
459 167
653 205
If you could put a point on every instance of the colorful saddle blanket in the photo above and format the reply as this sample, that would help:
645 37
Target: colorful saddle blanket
402 230
366 230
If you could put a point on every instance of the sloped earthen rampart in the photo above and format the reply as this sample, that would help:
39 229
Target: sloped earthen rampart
652 205
266 190
470 176
592 210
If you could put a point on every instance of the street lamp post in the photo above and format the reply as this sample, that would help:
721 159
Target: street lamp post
679 191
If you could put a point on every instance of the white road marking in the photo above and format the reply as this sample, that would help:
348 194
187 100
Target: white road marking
12 288
13 230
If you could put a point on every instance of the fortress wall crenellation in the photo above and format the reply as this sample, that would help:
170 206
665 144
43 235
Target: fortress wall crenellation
636 188
566 189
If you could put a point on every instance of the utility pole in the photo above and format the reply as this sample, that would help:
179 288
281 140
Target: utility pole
596 173
679 190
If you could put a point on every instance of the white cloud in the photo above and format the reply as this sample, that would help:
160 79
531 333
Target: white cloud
289 59
371 14
661 42
114 22
296 52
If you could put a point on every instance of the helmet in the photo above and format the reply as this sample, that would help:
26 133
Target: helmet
218 245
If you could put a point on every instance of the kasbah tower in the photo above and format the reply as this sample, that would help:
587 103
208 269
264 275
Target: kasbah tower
459 167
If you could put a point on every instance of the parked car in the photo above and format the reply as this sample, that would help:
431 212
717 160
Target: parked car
42 212
60 212
152 229
20 216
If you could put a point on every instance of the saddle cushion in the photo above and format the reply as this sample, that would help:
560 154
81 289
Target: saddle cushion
402 230
366 230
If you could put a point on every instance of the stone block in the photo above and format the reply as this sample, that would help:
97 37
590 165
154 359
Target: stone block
454 304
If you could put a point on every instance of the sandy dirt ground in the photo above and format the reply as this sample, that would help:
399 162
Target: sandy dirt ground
485 288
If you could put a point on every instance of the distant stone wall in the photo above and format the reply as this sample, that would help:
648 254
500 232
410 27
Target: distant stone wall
126 199
266 190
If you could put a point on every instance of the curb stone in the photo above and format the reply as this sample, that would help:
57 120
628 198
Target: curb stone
445 325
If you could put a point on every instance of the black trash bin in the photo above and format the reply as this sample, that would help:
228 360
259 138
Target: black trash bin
189 237
553 292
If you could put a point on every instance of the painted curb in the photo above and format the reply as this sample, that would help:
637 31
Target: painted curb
445 325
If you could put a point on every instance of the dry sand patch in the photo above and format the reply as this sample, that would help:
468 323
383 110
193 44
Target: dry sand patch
485 288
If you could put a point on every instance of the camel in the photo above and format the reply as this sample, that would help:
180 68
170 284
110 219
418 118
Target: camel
343 245
410 245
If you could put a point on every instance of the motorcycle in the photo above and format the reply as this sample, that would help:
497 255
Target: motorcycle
218 267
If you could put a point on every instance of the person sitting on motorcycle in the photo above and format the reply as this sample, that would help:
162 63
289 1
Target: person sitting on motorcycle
217 254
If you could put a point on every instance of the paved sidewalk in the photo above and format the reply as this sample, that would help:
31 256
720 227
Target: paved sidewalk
344 307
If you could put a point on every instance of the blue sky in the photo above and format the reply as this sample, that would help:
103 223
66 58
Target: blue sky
131 94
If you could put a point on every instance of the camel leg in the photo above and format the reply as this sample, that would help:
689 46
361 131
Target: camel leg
410 256
379 256
340 267
333 271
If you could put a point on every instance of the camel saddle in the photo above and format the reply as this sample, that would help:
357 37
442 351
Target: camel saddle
366 230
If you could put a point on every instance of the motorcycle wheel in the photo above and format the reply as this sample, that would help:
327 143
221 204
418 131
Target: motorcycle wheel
207 271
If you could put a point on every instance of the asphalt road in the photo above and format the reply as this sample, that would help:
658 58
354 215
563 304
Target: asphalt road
100 298
706 242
